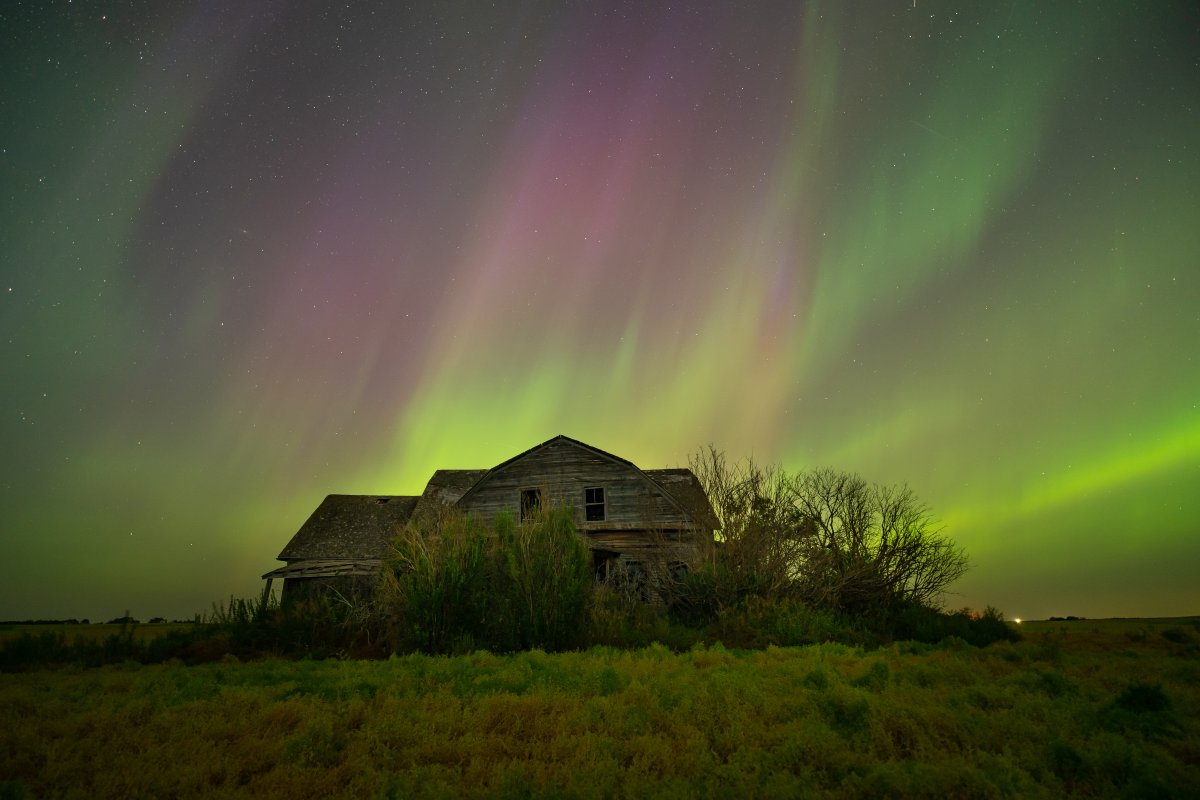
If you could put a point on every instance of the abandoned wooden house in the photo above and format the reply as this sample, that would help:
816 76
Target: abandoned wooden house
630 517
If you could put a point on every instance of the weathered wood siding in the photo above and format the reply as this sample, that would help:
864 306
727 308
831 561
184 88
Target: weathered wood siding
562 471
648 545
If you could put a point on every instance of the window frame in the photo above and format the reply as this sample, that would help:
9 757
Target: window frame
589 505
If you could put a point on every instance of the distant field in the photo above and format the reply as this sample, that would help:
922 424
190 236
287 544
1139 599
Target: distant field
1110 625
97 632
1075 628
1104 635
1092 708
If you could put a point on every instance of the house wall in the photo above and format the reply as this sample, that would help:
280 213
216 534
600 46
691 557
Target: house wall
562 471
349 587
642 525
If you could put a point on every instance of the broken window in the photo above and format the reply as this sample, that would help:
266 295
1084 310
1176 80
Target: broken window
593 504
531 503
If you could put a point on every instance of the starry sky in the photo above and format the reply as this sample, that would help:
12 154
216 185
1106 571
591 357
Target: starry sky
252 253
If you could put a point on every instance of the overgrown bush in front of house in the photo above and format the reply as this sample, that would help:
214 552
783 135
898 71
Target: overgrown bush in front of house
454 584
541 583
434 591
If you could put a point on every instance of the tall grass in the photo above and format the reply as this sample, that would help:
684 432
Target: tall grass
905 720
314 628
434 586
124 644
459 615
542 582
454 584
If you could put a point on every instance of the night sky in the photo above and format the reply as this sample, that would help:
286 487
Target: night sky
257 252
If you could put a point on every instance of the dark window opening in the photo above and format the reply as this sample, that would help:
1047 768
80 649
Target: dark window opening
678 571
604 564
531 503
593 504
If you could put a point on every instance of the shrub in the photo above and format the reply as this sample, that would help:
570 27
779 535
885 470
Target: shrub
920 623
1176 635
703 595
825 536
1145 708
990 626
616 619
541 580
454 584
434 586
759 622
1143 698
29 651
1066 762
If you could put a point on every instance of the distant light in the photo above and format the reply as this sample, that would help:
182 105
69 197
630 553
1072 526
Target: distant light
1017 620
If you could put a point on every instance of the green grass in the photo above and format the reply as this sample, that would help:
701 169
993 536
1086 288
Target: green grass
1084 710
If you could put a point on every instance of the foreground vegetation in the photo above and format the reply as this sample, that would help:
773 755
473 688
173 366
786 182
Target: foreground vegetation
1086 709
328 628
805 655
798 558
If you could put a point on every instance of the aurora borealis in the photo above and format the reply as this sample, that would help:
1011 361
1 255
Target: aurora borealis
258 252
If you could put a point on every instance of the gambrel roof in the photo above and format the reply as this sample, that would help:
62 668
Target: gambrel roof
349 526
352 532
681 484
503 465
678 485
448 485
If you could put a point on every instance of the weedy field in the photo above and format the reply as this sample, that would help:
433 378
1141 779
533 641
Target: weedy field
1085 708
97 632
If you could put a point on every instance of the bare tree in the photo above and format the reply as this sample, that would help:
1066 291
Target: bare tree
827 536
762 542
872 544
